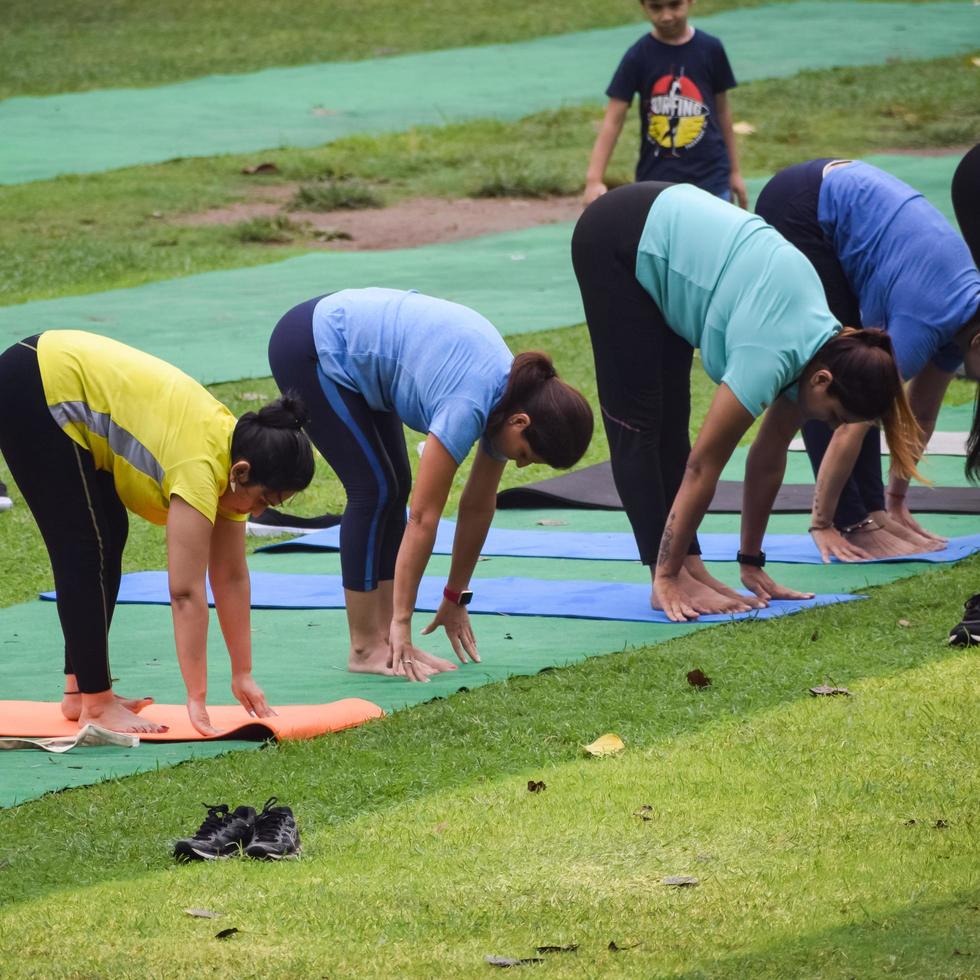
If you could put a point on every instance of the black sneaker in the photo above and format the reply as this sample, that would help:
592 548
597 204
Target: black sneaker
5 502
966 632
275 834
221 835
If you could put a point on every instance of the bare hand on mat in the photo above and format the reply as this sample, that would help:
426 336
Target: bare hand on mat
409 661
757 581
250 696
456 621
833 544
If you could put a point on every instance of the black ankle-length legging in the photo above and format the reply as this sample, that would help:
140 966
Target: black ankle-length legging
643 368
78 512
789 203
365 448
965 192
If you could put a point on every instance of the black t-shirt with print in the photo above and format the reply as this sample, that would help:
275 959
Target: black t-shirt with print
680 139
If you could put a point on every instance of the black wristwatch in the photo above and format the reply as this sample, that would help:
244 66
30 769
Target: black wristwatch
756 561
458 598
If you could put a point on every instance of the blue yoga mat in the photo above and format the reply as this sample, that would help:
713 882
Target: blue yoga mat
507 596
794 549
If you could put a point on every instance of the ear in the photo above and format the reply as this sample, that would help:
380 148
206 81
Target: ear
821 379
520 420
240 471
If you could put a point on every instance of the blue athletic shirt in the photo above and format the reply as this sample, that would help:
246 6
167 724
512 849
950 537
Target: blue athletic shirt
440 367
912 273
731 285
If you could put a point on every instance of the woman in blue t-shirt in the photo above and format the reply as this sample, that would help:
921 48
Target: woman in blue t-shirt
367 362
667 268
886 258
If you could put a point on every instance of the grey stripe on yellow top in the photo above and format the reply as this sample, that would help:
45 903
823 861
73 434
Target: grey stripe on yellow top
121 442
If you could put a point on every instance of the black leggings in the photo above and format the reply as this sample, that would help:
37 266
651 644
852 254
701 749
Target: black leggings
643 368
81 518
789 203
365 448
966 200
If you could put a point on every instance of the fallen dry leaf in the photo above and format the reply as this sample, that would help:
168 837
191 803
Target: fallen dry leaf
261 168
698 678
910 823
904 623
558 949
681 881
975 62
824 691
440 828
550 522
225 933
615 947
505 961
202 913
535 785
942 824
608 744
743 128
645 812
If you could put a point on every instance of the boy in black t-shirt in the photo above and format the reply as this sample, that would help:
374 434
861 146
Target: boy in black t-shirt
682 77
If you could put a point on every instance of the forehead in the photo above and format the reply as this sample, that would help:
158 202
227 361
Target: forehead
656 5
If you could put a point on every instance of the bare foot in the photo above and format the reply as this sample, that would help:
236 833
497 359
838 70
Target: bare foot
116 717
921 542
879 543
71 704
696 567
702 598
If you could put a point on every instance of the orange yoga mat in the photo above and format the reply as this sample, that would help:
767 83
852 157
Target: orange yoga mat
43 719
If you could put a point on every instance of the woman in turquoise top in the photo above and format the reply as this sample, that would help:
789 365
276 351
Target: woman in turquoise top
667 268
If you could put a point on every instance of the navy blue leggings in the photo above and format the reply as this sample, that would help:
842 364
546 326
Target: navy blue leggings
789 203
643 368
365 448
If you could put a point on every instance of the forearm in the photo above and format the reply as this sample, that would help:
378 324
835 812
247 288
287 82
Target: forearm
232 602
764 472
689 507
835 469
601 153
471 532
413 555
190 615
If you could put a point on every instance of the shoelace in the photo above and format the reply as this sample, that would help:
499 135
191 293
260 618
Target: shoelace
268 824
217 815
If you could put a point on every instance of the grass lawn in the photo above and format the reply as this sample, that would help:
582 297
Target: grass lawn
105 231
832 837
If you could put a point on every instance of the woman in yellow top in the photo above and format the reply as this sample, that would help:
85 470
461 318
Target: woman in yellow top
91 428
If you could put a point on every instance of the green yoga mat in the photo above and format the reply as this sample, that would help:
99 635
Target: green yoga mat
216 325
300 656
307 106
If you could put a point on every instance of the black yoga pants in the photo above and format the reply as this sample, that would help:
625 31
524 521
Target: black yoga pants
365 448
966 200
643 368
789 203
81 518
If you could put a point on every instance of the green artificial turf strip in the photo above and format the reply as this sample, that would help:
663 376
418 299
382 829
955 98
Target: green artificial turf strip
77 46
424 850
108 231
311 105
216 325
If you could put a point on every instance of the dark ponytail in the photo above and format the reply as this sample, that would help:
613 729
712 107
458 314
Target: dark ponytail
272 440
561 419
867 383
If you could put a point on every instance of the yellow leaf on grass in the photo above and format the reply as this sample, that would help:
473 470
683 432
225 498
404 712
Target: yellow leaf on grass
605 745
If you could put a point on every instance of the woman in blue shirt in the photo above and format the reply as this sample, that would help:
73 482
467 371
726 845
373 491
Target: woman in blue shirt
886 258
665 269
370 360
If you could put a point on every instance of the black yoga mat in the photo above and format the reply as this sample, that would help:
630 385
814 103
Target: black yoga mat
592 488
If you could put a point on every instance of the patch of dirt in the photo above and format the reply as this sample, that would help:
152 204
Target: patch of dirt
421 221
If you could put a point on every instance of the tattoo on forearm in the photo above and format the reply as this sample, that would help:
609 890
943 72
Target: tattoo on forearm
666 542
